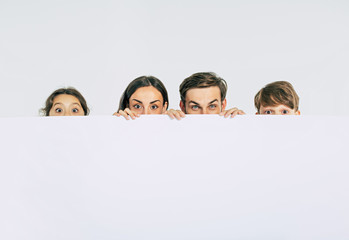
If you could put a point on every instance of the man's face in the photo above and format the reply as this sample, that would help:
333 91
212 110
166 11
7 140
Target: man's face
203 101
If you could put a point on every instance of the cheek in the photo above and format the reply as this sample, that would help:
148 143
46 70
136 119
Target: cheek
190 111
81 113
159 110
215 111
137 110
52 113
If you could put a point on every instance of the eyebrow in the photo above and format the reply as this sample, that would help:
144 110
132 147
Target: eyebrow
142 103
136 100
76 104
63 104
199 104
193 102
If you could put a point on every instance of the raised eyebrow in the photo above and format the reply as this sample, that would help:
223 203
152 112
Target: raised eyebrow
57 103
154 101
193 102
213 101
76 104
136 100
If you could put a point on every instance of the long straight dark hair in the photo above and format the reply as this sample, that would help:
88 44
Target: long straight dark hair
143 81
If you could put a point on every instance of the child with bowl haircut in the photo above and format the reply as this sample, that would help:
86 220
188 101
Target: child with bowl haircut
277 98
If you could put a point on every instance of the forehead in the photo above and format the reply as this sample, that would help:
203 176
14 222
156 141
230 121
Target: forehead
276 107
203 94
149 93
66 99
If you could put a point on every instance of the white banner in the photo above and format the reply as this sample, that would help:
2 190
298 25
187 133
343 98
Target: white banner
204 177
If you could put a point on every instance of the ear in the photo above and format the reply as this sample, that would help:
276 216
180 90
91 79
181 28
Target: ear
298 112
224 104
257 113
164 108
182 106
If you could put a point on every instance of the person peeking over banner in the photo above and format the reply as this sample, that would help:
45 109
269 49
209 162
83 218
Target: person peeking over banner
204 93
65 102
277 98
144 95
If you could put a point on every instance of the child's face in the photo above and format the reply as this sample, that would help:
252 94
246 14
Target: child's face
278 110
66 105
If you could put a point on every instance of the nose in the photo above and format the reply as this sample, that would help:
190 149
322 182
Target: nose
146 111
204 111
67 113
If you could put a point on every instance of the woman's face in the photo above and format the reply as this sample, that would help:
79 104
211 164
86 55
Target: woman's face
147 100
66 105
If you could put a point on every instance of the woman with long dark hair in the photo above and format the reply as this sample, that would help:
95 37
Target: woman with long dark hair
144 95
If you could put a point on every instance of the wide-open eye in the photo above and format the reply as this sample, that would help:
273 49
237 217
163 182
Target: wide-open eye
58 110
268 112
75 110
284 112
153 107
137 106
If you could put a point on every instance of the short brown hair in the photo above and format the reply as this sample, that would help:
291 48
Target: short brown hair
69 91
203 80
276 93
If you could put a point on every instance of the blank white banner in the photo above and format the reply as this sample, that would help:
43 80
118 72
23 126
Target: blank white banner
204 177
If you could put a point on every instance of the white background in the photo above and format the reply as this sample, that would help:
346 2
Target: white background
100 46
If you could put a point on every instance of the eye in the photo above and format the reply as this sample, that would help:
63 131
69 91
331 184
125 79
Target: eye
58 110
268 112
212 106
153 107
195 107
75 110
137 106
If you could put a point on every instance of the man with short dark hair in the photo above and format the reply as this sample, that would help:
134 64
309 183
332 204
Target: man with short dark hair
203 93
